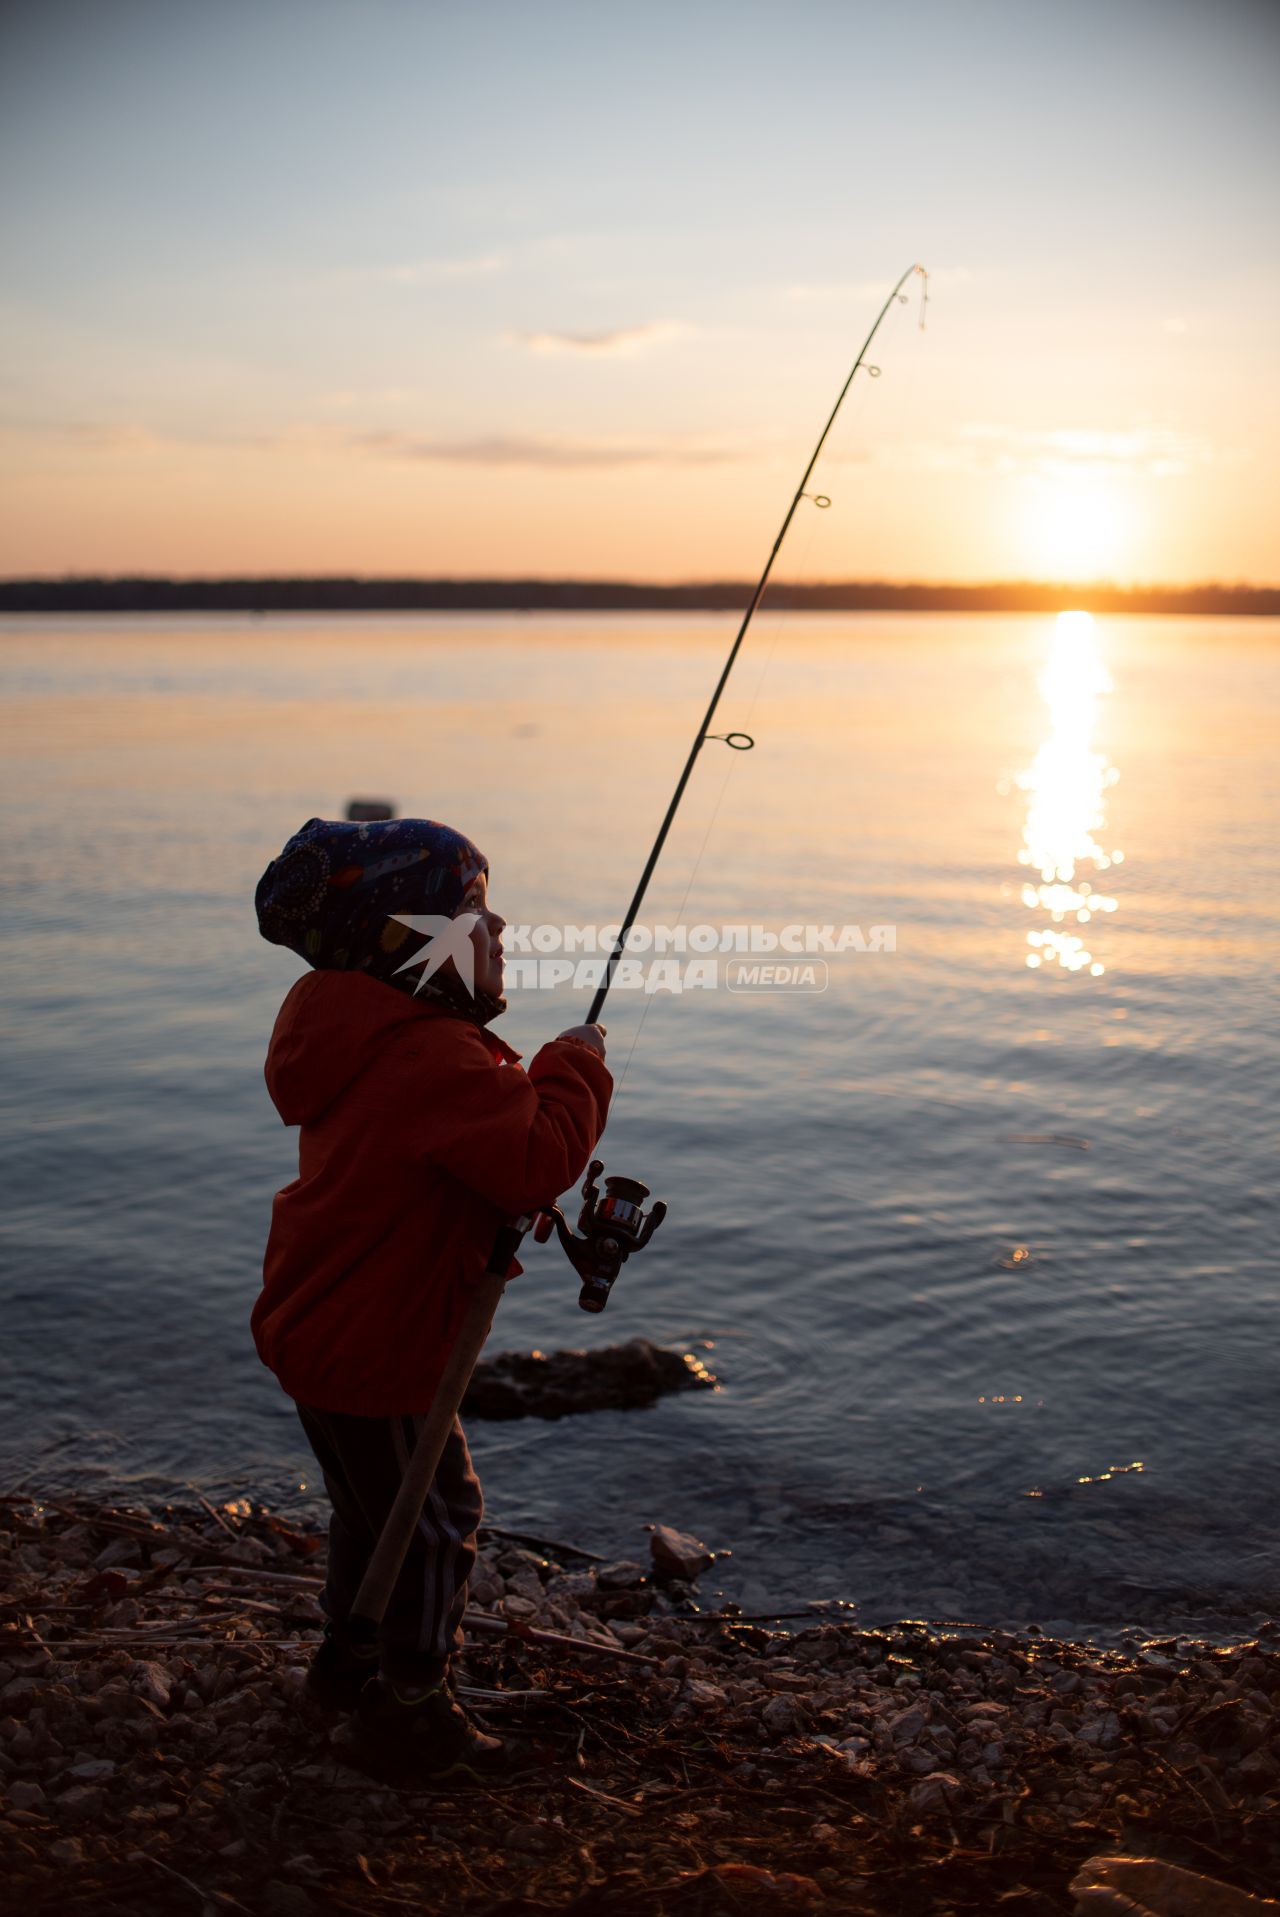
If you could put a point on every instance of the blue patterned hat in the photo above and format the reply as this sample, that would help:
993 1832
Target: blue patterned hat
332 894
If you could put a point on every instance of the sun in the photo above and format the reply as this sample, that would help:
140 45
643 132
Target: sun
1077 527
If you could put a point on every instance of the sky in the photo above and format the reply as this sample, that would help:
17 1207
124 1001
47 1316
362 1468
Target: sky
568 289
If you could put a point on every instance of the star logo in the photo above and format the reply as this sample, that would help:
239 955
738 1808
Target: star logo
450 939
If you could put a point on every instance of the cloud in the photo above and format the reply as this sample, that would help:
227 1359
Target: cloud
560 452
108 438
132 436
1158 451
564 454
440 272
870 292
829 292
624 341
347 399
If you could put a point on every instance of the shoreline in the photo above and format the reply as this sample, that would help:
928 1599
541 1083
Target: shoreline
259 596
1221 1619
154 1749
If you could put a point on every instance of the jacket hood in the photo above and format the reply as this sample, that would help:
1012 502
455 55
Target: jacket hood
330 1028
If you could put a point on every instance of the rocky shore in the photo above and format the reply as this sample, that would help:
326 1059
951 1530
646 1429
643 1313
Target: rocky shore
156 1755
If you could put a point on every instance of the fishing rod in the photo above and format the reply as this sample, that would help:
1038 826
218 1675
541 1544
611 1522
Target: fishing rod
742 741
613 1227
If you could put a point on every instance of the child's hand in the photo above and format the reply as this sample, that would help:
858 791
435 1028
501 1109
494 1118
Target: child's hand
592 1035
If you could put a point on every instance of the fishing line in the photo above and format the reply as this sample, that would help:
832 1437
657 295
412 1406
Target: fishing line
612 1227
785 620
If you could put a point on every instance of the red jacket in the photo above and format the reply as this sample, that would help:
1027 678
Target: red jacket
420 1134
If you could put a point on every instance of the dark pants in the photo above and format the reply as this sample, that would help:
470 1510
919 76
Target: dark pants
363 1461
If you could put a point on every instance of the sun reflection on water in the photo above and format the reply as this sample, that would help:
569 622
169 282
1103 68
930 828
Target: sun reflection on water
1066 788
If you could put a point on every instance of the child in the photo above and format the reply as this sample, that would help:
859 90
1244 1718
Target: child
419 1136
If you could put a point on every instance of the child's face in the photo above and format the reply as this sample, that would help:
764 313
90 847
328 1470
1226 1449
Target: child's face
486 937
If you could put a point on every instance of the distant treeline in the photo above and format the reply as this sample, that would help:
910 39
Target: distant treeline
82 594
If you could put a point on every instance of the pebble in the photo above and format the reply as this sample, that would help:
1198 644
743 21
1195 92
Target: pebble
119 1551
579 1586
783 1717
676 1554
81 1802
94 1770
776 1680
1104 1732
908 1725
152 1681
304 1866
934 1793
526 1584
621 1576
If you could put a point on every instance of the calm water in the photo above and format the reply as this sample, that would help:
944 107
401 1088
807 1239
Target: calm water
984 1249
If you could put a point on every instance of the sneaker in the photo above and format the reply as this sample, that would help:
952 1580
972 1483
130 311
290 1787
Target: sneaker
339 1671
423 1732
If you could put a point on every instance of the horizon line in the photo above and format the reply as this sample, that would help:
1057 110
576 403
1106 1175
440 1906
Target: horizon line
602 581
262 594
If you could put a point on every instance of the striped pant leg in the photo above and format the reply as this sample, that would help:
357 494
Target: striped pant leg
350 1530
363 1460
423 1625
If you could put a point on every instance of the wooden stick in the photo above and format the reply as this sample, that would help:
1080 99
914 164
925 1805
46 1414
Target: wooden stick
478 1696
291 1580
485 1622
155 1638
397 1534
98 1647
603 1797
215 1515
549 1545
214 1897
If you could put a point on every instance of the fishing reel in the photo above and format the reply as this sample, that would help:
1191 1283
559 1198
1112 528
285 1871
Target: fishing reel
612 1228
